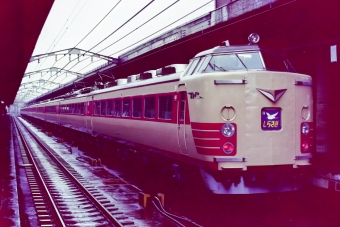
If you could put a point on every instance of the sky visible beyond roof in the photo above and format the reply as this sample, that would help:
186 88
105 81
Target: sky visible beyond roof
70 21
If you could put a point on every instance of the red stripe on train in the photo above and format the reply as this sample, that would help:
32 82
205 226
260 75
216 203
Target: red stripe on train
206 126
210 151
207 143
204 142
206 134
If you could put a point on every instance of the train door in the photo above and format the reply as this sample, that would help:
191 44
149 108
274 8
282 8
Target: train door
181 115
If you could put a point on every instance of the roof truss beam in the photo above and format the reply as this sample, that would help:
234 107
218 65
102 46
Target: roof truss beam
74 51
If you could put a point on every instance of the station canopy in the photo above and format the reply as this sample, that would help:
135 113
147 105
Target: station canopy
49 72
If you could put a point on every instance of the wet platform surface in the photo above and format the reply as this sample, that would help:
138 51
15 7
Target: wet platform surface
9 212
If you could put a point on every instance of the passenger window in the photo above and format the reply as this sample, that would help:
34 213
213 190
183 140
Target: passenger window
96 108
165 107
82 108
103 108
137 107
118 108
78 108
149 109
126 108
109 108
88 108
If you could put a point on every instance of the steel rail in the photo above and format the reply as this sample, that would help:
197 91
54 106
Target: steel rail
51 201
45 147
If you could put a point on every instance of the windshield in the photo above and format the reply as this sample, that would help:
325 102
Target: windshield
227 62
239 61
274 62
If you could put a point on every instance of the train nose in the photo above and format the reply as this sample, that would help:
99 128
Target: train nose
269 119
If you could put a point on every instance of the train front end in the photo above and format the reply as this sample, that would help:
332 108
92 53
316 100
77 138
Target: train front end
251 118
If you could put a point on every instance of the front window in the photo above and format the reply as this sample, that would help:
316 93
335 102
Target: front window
274 62
223 63
230 62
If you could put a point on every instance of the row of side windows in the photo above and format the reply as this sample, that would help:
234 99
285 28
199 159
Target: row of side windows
76 108
51 109
122 107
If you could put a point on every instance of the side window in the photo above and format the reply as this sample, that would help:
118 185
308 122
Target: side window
78 108
109 108
126 108
82 108
192 67
117 108
96 108
149 107
103 108
165 107
203 64
137 107
88 108
199 64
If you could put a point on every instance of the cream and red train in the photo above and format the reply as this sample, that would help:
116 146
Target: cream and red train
239 113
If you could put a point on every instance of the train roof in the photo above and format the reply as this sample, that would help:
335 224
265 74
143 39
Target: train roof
229 49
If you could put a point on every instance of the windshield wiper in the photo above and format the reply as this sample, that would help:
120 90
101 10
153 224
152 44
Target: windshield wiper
241 61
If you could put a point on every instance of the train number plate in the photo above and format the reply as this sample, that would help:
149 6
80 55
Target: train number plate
271 119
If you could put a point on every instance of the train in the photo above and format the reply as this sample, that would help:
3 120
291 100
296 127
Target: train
239 114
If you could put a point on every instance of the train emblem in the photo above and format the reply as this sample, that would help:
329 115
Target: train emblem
271 119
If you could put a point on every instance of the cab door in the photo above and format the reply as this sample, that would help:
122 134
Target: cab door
181 118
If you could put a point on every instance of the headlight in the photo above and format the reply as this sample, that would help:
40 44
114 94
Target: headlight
228 130
305 129
228 148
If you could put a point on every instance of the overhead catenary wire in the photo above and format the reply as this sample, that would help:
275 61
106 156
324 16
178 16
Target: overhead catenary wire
122 24
140 26
114 30
98 23
162 28
52 46
149 35
87 35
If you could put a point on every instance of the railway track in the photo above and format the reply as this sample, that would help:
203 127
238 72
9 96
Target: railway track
61 196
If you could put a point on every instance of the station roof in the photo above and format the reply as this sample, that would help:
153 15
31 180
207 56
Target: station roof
20 26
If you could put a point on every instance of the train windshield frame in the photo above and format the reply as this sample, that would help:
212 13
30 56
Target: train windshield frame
241 61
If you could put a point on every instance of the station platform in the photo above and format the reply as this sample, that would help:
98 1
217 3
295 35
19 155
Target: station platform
9 208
